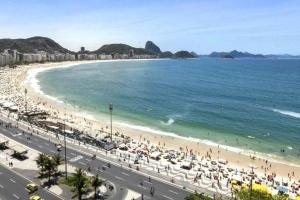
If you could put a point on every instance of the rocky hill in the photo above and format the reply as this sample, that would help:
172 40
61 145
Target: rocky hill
150 46
184 54
29 45
235 54
121 49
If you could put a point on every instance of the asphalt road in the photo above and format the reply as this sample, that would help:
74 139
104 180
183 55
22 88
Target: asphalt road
122 178
12 187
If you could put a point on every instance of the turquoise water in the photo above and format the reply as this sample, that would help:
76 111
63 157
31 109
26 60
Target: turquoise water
248 103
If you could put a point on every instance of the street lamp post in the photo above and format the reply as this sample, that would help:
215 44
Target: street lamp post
25 91
252 174
65 144
111 110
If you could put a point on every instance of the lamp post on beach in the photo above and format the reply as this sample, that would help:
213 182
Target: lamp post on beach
252 166
65 144
25 91
111 110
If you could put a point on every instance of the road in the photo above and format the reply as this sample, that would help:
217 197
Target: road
121 177
12 187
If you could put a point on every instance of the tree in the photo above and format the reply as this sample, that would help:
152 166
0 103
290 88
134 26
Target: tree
197 196
48 165
259 195
57 159
79 183
40 161
96 182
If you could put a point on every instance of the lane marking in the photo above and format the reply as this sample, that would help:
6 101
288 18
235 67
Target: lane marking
76 158
117 177
142 187
167 197
125 174
1 186
12 180
73 154
40 146
82 163
52 151
16 196
47 144
173 192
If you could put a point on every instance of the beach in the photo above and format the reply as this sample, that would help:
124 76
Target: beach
16 80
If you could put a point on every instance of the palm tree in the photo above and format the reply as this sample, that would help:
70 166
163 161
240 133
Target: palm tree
80 182
57 159
40 161
49 167
96 182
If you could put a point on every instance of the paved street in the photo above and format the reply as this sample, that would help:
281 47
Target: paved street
12 186
122 178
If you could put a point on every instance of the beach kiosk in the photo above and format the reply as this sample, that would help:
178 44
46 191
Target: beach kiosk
3 143
19 151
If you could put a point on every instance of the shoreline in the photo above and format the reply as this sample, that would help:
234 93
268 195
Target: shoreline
235 156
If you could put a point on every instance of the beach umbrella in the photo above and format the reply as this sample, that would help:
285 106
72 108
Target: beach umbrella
282 189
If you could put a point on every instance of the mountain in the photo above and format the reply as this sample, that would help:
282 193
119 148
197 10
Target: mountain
150 46
235 54
183 54
29 45
166 54
283 56
194 54
121 49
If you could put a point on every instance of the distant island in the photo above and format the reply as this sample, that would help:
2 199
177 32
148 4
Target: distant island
235 54
238 54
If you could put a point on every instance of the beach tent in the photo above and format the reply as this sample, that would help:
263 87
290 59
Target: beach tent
155 155
222 161
13 108
69 131
237 178
282 189
55 128
7 104
186 165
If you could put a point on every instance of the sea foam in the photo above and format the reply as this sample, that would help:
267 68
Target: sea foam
169 122
288 113
164 133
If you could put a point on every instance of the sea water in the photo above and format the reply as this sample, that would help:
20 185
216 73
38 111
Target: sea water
251 104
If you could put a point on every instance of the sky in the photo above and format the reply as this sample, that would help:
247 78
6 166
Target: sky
203 26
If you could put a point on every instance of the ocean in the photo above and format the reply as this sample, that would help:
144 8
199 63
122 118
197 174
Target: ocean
250 104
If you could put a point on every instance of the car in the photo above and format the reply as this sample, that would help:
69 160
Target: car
35 197
59 147
31 187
